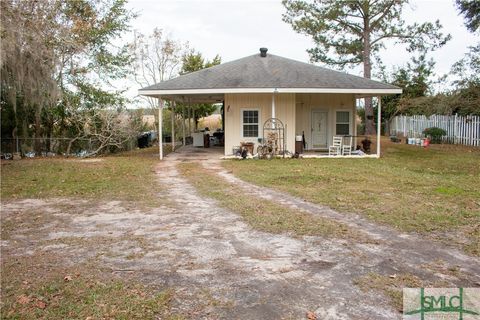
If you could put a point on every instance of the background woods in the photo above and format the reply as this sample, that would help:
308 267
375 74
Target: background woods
67 66
59 62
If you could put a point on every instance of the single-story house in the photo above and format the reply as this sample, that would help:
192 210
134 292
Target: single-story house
312 101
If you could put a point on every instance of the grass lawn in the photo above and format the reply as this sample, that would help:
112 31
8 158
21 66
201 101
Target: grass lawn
262 214
78 292
434 191
127 176
44 286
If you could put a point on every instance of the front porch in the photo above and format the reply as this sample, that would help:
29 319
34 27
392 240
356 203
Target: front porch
312 102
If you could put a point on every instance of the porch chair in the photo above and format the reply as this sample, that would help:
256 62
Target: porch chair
347 146
336 148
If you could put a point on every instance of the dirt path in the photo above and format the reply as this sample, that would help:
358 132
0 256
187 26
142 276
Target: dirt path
401 248
218 265
267 276
291 276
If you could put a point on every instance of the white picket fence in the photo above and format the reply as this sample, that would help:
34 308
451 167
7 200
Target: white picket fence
460 129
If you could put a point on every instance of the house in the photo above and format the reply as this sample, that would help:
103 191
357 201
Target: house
310 100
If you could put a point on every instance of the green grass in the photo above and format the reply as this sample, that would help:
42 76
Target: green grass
392 285
433 190
127 176
262 214
82 299
41 293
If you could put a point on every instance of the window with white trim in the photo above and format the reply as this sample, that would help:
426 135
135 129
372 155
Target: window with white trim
250 123
342 123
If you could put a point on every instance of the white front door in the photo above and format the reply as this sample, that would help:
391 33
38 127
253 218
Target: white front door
319 129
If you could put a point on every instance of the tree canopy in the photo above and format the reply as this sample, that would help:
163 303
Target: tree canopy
470 9
194 61
352 32
59 58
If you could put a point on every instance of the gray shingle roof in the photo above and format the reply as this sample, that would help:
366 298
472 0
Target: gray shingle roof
267 72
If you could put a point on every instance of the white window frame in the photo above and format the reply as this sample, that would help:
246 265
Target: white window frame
349 121
258 123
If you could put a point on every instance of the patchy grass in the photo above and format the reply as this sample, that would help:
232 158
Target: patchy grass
262 214
49 292
392 285
430 191
127 176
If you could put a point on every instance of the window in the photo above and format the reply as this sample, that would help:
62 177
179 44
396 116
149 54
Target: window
250 123
343 123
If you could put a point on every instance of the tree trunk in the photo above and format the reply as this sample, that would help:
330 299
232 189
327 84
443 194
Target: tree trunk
38 130
69 147
367 73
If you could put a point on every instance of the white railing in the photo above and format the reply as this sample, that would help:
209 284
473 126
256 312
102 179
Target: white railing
460 129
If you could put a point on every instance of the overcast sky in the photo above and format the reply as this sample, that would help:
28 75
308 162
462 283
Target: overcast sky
237 28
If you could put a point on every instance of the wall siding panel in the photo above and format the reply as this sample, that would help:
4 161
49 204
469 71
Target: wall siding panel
234 103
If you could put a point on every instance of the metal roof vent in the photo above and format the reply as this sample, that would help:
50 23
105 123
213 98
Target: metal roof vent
263 52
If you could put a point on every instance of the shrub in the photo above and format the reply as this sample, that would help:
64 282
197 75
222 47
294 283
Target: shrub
435 134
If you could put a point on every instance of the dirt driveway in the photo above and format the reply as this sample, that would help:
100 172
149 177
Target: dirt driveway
219 267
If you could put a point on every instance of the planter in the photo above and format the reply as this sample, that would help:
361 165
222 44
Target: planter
249 146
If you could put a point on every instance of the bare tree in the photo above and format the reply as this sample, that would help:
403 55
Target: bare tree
105 128
157 57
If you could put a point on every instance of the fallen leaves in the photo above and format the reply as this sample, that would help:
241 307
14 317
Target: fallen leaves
311 315
23 299
40 304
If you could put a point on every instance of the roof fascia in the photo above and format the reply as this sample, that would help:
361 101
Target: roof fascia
155 93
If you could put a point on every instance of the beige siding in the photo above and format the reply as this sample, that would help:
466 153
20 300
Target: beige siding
330 103
234 103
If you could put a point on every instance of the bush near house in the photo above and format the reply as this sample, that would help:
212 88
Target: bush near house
435 134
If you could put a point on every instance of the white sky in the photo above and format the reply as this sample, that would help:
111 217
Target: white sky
237 28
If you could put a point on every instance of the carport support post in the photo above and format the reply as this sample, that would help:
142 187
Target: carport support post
189 117
173 126
183 123
379 124
160 128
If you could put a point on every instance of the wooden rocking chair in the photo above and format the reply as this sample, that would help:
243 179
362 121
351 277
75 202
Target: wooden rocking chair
336 148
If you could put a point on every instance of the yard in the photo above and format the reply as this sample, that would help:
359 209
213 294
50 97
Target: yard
50 277
434 191
129 237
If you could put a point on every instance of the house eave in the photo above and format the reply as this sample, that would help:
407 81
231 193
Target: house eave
359 92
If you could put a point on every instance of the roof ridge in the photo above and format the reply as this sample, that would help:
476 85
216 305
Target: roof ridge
255 71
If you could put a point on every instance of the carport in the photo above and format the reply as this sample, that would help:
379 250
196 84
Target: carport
314 102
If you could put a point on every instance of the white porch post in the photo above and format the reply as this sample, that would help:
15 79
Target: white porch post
273 103
189 119
273 109
194 122
379 124
183 123
173 126
160 128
